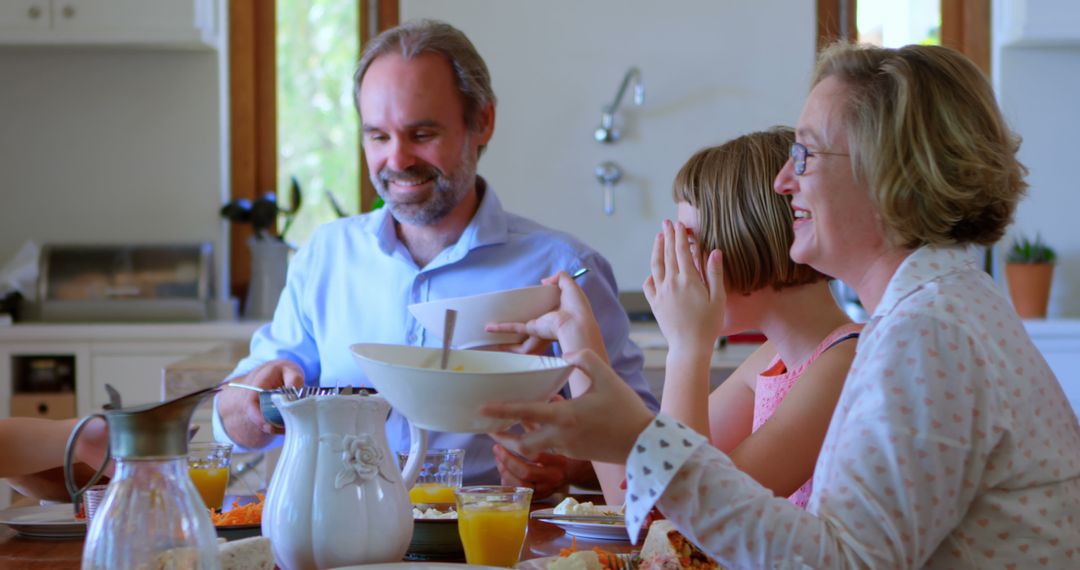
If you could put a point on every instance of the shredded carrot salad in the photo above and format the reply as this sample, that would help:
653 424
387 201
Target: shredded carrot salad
250 513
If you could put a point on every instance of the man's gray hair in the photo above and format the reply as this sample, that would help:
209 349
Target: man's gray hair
418 36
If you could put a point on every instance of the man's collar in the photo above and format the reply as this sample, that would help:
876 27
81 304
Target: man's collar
926 264
488 225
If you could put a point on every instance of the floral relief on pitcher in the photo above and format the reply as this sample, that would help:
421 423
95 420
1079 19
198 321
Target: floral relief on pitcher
361 459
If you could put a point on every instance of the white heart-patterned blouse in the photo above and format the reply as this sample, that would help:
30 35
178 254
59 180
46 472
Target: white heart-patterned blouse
952 446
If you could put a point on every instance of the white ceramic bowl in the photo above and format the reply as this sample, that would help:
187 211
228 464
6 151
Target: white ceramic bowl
450 400
476 311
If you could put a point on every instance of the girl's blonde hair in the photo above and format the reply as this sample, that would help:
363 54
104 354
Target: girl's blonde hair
731 185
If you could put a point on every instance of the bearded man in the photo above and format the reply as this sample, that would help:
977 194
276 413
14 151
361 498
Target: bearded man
428 111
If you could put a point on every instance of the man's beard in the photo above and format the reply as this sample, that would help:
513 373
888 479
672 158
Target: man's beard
448 192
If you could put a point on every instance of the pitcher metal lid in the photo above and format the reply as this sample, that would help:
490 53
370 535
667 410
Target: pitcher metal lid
154 431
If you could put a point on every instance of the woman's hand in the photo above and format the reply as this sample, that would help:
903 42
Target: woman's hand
687 300
571 323
601 424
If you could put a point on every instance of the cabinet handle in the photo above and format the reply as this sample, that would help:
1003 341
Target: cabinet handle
68 11
34 12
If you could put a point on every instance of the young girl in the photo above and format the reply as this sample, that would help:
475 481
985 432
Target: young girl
726 204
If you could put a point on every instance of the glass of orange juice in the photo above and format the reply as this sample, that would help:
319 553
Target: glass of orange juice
439 476
492 522
208 467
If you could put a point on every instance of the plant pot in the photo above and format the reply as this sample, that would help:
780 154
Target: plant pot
1029 287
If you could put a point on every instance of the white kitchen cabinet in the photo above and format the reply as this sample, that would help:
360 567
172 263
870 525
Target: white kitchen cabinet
130 357
147 23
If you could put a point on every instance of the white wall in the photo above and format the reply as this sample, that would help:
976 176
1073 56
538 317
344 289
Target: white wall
713 69
109 145
1037 78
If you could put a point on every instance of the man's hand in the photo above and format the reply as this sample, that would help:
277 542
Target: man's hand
239 409
545 474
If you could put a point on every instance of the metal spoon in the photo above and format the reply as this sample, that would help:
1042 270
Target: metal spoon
579 273
448 334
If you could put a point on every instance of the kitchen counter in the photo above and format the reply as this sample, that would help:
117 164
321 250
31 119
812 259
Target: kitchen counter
48 332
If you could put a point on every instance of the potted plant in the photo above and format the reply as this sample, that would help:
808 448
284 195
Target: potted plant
1029 268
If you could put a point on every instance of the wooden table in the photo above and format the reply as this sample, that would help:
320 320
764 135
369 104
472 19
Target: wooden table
17 553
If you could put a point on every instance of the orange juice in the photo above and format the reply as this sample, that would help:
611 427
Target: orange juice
493 536
211 483
431 493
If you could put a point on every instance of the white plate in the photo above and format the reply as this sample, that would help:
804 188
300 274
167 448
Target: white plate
49 521
600 531
417 566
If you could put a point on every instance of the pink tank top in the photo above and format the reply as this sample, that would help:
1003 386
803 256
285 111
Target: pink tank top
776 380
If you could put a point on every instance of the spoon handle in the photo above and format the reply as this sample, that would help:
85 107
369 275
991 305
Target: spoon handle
448 334
579 272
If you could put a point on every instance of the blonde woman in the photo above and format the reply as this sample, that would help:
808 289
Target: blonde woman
771 414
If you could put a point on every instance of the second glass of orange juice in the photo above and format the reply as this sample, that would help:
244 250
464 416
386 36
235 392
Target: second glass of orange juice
492 522
439 476
208 467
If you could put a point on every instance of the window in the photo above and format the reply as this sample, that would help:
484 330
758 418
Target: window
896 23
317 127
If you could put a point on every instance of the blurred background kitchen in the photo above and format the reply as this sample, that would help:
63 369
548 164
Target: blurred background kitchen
127 125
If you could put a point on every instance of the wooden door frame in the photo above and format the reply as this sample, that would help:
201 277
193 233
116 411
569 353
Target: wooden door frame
376 16
253 121
253 113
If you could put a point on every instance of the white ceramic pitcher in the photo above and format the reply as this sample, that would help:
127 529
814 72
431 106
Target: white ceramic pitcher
337 497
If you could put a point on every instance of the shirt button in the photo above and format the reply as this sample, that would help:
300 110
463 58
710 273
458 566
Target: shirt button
420 278
411 338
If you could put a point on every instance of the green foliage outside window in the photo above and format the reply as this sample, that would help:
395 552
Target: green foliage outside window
317 124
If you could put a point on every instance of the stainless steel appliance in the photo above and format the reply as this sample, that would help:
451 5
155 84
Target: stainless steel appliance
126 283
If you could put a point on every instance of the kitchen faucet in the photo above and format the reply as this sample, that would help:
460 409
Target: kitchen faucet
606 132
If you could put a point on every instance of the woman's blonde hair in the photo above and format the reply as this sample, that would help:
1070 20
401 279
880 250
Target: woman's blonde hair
927 137
731 186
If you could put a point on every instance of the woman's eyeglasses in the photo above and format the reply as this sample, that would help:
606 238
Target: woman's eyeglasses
799 153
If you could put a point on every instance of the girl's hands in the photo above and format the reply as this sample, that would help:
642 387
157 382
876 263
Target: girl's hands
686 299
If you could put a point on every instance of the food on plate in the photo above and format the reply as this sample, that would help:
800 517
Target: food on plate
433 514
252 553
574 559
570 506
582 560
248 514
246 554
667 549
